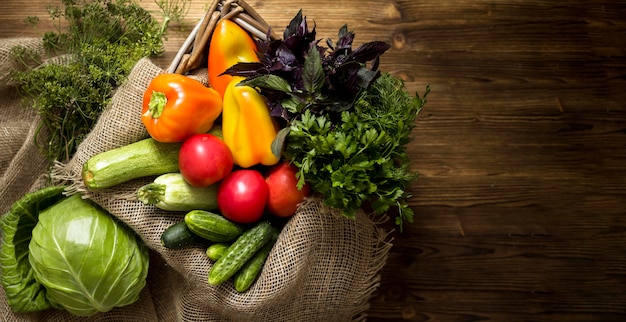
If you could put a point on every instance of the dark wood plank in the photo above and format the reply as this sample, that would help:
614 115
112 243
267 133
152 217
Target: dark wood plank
521 202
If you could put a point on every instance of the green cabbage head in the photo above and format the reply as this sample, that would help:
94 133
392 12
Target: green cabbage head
87 261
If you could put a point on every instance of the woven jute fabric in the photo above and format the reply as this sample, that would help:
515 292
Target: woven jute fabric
323 266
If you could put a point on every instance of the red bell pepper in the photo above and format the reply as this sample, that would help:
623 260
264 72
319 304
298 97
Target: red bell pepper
177 106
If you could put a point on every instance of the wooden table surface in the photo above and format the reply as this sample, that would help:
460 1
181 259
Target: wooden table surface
521 204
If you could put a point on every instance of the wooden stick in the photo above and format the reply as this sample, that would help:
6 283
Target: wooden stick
226 7
255 15
182 66
197 53
202 30
184 48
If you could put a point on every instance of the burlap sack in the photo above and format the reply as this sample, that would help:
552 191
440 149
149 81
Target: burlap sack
20 163
323 266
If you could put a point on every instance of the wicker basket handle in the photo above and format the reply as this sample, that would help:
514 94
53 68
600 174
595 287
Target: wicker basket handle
192 52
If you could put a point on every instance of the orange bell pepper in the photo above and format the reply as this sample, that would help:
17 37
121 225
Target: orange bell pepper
176 106
247 126
230 44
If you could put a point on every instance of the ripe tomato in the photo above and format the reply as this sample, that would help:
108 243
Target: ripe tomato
204 159
284 195
242 195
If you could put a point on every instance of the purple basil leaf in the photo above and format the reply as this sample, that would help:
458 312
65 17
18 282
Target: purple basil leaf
285 58
375 63
294 25
366 77
267 82
330 45
245 69
313 73
345 78
345 39
369 51
276 109
272 95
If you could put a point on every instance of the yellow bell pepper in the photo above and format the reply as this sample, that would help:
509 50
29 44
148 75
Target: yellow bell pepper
230 44
247 126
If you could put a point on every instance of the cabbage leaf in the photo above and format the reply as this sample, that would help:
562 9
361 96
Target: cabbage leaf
23 292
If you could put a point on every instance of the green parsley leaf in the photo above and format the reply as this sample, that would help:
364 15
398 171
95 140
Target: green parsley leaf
356 161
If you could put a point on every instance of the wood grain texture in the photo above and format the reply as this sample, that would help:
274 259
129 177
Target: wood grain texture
521 201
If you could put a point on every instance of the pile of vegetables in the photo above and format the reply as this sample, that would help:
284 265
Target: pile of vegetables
281 121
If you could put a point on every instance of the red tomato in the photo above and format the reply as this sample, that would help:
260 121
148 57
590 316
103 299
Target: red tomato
284 195
204 159
242 196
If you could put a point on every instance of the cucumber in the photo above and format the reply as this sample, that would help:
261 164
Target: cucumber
241 251
171 192
139 159
246 276
217 250
212 227
178 235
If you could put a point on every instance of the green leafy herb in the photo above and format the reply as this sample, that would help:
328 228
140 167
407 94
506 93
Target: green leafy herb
361 159
97 43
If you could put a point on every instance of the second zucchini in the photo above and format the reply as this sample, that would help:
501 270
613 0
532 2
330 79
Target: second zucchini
171 192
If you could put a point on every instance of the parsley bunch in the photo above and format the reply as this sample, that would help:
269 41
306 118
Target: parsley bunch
346 125
362 158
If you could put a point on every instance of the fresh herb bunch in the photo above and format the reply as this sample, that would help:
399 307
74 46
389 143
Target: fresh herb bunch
296 73
96 44
362 159
346 125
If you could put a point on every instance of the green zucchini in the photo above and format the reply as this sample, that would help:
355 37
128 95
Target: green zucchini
217 250
178 235
240 252
246 276
171 192
212 227
139 159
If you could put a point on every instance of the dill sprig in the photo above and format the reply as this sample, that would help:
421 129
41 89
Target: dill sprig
94 47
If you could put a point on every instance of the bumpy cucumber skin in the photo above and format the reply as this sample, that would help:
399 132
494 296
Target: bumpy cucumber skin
212 227
178 235
171 192
246 276
217 250
240 252
143 158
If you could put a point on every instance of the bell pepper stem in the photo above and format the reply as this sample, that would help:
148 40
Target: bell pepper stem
158 100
